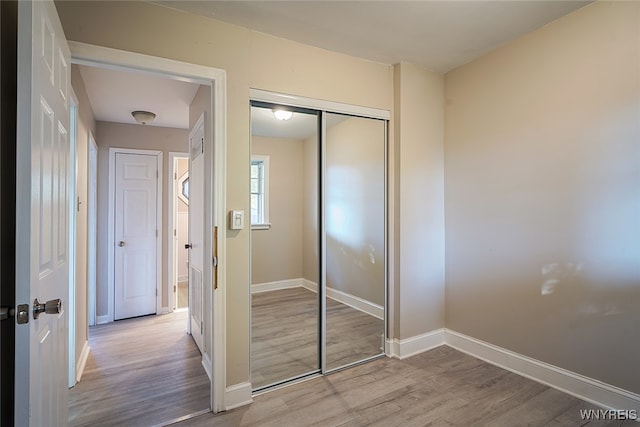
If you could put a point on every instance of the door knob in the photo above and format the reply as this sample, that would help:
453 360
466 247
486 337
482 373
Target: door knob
121 243
53 306
188 246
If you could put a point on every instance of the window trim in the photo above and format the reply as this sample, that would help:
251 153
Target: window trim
265 224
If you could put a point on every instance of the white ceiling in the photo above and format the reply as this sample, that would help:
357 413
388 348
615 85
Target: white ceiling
438 35
115 94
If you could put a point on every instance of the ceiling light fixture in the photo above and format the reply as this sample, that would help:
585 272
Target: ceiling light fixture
282 114
143 117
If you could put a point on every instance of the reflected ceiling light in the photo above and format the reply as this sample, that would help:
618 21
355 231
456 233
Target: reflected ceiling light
143 117
282 114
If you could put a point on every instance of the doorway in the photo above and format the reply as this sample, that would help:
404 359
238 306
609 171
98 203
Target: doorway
179 229
135 201
214 204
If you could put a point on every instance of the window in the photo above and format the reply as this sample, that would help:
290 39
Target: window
260 192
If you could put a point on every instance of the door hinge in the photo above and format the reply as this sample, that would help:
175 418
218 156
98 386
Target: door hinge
174 289
174 232
215 261
201 327
175 176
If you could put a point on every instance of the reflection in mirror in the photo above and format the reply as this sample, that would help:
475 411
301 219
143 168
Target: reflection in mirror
284 246
355 239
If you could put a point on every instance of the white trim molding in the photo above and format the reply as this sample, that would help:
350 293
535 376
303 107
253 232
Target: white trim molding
580 386
352 301
401 349
238 395
275 286
101 320
207 365
82 361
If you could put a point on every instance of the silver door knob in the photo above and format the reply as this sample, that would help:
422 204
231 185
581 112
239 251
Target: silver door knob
53 306
121 244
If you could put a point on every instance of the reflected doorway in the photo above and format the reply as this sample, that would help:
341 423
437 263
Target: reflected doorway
181 232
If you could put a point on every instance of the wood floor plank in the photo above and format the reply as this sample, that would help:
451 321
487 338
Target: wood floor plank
284 335
140 372
441 387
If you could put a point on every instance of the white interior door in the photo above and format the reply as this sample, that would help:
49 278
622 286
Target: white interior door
42 238
196 231
136 231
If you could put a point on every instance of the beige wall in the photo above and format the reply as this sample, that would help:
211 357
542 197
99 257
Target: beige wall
277 253
354 208
542 207
118 135
418 194
86 125
250 59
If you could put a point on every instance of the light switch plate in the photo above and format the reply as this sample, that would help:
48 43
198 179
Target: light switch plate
236 220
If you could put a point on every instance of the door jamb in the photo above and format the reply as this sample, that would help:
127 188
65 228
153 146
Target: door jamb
215 188
111 241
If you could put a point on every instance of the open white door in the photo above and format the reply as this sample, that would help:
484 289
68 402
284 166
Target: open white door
42 238
196 231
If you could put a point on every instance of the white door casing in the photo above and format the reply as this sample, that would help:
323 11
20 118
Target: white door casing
42 203
196 231
136 232
215 191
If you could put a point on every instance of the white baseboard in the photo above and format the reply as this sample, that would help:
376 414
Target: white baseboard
401 349
238 395
101 320
82 360
352 301
274 286
207 365
580 386
165 310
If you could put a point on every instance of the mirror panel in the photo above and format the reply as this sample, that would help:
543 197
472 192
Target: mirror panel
354 210
284 241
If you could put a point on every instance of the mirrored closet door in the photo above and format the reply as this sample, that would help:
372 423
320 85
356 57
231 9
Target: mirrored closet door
318 241
354 246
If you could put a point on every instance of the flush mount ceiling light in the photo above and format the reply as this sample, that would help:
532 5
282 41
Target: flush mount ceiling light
143 117
282 114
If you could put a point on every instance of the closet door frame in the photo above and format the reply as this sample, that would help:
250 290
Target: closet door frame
262 96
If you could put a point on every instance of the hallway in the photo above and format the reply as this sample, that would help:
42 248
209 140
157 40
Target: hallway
140 372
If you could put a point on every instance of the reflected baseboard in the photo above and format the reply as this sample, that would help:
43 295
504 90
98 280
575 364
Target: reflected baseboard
352 301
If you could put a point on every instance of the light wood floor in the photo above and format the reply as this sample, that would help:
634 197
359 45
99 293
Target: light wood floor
285 335
140 372
441 387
